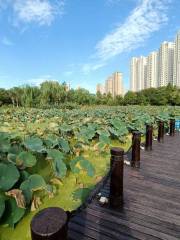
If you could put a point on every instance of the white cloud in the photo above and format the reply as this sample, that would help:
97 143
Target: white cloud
6 41
146 18
42 12
90 67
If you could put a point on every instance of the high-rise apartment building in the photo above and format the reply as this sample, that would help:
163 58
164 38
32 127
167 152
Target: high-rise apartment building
157 70
152 70
109 85
117 84
100 88
138 73
176 77
134 75
166 64
142 72
113 85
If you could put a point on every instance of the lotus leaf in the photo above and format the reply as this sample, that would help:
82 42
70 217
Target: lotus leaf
26 159
81 194
59 167
33 183
9 175
13 213
64 145
2 205
34 144
80 163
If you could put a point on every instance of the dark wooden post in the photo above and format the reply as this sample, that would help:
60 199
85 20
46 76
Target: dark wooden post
172 127
149 135
49 224
160 131
136 143
116 177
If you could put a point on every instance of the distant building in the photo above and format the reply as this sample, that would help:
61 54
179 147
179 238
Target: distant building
142 72
113 85
152 70
166 64
176 77
100 88
109 85
138 73
117 86
158 69
134 75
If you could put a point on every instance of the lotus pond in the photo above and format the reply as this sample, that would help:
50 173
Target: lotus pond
54 157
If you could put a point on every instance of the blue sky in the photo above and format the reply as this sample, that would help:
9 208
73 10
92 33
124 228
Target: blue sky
79 41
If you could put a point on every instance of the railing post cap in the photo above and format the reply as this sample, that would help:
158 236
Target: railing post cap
48 221
116 151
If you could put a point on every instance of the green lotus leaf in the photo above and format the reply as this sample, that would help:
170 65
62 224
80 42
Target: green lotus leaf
34 144
80 163
2 205
12 158
81 194
26 159
26 191
4 145
24 175
64 145
59 167
104 139
34 183
9 175
13 213
51 141
73 164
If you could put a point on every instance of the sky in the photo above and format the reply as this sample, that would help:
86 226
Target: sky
81 42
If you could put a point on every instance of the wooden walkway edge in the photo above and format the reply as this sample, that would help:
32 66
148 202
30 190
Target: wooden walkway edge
151 209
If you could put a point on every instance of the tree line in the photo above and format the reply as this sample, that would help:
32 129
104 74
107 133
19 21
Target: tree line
54 94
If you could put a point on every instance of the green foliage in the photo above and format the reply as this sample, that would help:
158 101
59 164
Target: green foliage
33 183
59 167
26 159
34 144
9 175
13 213
2 205
81 193
53 94
32 140
81 164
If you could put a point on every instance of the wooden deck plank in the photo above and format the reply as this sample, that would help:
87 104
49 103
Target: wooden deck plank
151 208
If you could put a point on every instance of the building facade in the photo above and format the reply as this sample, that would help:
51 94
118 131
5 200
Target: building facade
100 88
166 64
138 73
113 85
117 88
159 69
152 70
176 76
134 75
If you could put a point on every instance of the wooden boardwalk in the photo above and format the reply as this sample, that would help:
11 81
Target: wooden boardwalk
151 208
